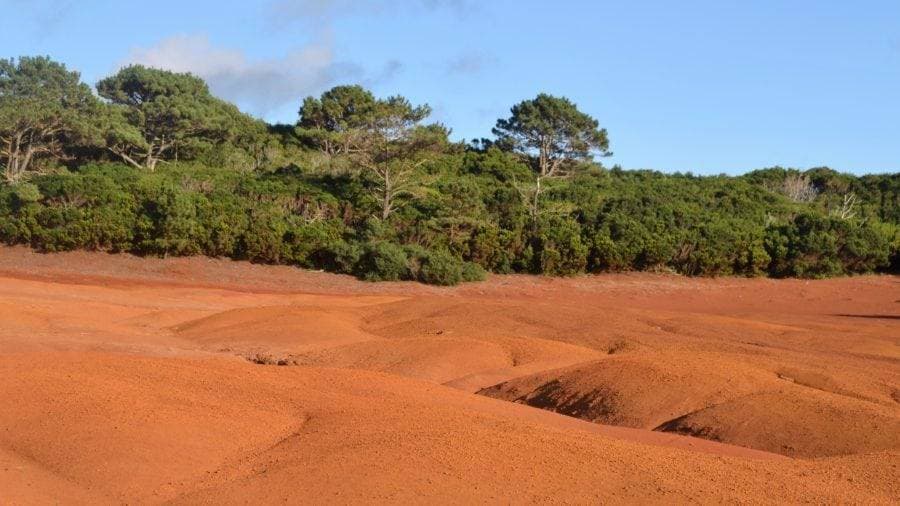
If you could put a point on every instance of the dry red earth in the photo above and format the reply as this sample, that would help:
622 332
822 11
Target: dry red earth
126 380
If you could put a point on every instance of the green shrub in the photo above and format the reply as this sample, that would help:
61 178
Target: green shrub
815 246
472 272
441 268
561 250
382 261
467 218
226 222
342 257
26 193
264 239
308 243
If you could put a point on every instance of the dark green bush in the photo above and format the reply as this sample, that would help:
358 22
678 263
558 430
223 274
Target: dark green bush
26 193
561 251
264 239
471 218
342 257
815 246
441 268
472 272
307 244
382 261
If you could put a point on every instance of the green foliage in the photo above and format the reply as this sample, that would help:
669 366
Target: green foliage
362 186
336 121
441 268
472 272
26 193
382 261
343 257
815 246
44 113
553 129
612 221
382 139
156 115
559 248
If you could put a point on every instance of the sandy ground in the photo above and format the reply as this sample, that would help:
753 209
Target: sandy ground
145 381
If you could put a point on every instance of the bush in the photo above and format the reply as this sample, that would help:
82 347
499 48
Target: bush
26 192
561 250
441 268
815 246
342 257
472 272
264 239
468 217
226 223
168 223
308 243
382 261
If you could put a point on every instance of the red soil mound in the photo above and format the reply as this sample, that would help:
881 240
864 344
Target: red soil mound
120 428
127 380
713 397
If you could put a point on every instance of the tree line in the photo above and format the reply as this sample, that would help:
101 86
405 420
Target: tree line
151 162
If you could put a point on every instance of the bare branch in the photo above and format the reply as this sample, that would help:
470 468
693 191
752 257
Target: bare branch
798 188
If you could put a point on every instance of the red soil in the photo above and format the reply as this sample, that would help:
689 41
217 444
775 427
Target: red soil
138 381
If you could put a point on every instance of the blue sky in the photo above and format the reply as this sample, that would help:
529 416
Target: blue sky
707 86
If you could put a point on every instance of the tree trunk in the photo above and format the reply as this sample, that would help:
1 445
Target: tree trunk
535 205
544 158
13 168
26 160
121 154
386 198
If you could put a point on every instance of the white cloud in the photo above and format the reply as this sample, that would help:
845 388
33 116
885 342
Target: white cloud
275 86
260 86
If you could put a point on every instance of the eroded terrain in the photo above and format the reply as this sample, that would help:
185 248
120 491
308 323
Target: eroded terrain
198 380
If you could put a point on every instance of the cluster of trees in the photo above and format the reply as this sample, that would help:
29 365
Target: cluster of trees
153 163
140 116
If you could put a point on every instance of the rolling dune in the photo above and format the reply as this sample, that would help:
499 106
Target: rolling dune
191 381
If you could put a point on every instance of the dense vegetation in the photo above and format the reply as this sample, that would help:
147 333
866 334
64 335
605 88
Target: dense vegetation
154 164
